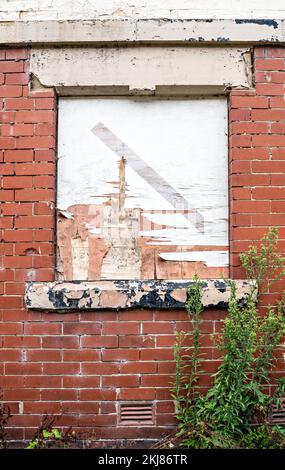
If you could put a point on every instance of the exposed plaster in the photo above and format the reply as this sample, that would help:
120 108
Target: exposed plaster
76 295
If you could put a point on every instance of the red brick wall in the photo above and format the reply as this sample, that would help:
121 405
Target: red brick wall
81 365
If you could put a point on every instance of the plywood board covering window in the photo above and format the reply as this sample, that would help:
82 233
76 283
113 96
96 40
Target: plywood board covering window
142 188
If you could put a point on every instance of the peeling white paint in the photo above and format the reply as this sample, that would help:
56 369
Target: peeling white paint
124 70
211 258
89 9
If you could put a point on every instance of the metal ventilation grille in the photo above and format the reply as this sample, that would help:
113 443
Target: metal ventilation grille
278 414
136 413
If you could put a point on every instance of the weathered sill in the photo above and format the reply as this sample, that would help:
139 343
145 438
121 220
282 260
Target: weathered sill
123 294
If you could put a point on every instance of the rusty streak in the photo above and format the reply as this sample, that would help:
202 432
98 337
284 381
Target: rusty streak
146 172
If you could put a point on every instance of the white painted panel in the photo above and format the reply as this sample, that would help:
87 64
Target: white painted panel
175 175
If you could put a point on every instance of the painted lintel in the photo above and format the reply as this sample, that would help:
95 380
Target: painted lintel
125 294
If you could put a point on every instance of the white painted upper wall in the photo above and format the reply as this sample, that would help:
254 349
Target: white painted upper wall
11 10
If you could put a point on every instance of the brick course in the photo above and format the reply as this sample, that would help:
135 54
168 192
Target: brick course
81 364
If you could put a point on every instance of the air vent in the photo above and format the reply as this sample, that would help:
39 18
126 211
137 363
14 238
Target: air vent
136 413
278 414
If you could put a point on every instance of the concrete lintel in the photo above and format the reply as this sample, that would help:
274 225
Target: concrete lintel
141 70
119 294
143 30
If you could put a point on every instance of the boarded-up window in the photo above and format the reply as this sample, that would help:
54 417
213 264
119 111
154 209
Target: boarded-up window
142 188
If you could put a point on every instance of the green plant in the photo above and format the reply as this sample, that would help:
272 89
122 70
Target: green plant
48 436
264 437
238 397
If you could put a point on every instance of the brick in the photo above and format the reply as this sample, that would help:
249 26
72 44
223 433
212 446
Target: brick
119 355
156 380
275 77
249 127
11 328
37 328
124 328
17 79
138 368
61 368
43 381
11 302
240 114
278 154
18 156
35 142
268 167
44 155
10 91
277 102
65 342
80 382
251 206
43 355
6 222
7 142
240 140
249 102
106 368
250 180
43 208
82 328
15 288
7 169
97 394
270 140
159 354
59 395
9 355
268 193
33 248
18 235
135 341
44 181
268 219
268 114
34 195
120 381
7 117
6 195
157 328
11 66
23 369
35 221
269 64
81 355
19 103
45 129
270 89
35 116
17 130
278 128
98 341
16 54
17 182
278 206
250 153
44 103
137 394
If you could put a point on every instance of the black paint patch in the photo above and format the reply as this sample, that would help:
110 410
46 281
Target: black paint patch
58 300
262 22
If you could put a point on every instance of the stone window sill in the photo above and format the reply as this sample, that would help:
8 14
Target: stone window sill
124 294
